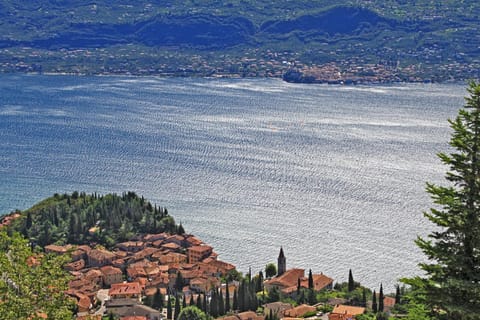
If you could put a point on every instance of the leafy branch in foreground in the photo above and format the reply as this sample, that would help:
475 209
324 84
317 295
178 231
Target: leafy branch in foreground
32 284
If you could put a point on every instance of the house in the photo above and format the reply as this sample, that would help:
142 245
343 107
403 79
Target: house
130 308
299 311
287 281
131 246
198 253
276 309
100 257
129 290
111 275
344 312
248 315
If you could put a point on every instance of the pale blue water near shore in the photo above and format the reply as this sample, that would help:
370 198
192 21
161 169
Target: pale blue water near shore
334 174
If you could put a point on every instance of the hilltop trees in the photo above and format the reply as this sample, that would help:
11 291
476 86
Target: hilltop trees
80 218
32 284
452 282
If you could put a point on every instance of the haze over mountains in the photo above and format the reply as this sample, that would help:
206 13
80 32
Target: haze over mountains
394 33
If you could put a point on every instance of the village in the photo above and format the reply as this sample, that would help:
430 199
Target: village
117 283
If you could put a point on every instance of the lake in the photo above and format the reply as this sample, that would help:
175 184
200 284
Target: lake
334 174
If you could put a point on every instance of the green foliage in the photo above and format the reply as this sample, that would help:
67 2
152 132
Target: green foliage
32 283
270 270
192 313
452 285
83 219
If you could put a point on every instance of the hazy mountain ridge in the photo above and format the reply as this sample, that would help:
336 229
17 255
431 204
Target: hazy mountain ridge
406 32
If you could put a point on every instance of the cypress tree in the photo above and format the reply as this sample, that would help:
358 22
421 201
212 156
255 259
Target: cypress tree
397 295
380 299
199 303
452 272
351 282
364 298
177 306
227 298
298 286
192 301
221 304
310 280
169 308
205 305
213 304
374 302
235 300
184 302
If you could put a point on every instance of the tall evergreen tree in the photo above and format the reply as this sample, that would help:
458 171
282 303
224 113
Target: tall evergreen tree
199 303
374 302
184 301
380 299
298 286
364 298
205 304
157 300
221 304
351 282
452 279
398 295
235 300
227 298
169 308
177 306
310 280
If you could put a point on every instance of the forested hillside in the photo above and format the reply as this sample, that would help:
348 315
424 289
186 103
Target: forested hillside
206 37
79 218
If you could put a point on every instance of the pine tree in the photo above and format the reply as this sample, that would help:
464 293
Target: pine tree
453 272
351 282
380 299
310 280
374 302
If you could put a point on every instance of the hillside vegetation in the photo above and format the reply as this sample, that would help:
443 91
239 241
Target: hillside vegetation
79 218
148 34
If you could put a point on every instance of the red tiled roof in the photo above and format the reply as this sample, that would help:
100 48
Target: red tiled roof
130 288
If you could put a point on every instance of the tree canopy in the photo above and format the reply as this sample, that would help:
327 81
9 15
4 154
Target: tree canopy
452 282
79 218
32 283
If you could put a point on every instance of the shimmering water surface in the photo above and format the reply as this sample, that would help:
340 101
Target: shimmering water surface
334 174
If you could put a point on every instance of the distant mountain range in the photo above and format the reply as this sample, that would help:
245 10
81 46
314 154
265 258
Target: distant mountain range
397 34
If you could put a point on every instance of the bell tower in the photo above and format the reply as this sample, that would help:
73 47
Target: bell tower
281 263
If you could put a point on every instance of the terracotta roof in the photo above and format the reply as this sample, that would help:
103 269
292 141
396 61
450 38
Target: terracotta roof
124 289
200 248
288 279
299 311
344 309
109 270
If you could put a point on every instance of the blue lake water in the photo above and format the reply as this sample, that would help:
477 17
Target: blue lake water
334 174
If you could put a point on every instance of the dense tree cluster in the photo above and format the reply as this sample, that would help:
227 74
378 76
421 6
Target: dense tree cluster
32 284
79 218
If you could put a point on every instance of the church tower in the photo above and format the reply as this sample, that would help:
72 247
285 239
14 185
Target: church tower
282 263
